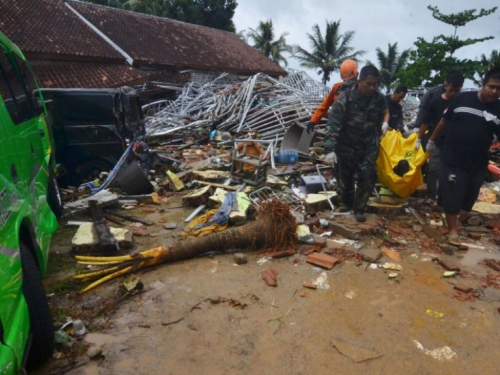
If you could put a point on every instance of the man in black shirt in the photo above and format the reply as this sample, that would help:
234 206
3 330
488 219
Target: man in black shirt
452 78
395 109
431 117
471 120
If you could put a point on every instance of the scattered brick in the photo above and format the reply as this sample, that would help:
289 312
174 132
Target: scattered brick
447 264
141 232
302 293
393 229
240 258
322 260
310 286
148 210
270 277
283 254
474 236
309 249
442 230
463 248
495 224
464 287
492 264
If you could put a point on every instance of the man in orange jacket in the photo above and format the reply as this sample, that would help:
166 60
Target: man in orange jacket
349 75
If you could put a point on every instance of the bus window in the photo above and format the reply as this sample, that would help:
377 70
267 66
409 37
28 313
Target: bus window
16 95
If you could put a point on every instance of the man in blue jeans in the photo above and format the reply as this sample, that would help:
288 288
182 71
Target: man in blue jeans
470 121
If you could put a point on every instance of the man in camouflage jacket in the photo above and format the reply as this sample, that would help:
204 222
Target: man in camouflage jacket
357 120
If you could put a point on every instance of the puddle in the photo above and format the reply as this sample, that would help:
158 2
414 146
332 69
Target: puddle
473 256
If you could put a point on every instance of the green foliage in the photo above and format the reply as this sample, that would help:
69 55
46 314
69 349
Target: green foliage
328 52
431 61
217 14
390 64
265 42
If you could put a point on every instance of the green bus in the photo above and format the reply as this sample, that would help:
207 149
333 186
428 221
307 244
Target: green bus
28 197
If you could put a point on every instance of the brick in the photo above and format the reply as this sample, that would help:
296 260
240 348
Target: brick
322 260
442 230
310 286
447 264
270 277
302 293
309 249
465 287
474 236
283 254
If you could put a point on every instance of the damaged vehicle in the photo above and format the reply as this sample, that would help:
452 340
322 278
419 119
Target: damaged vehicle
91 128
28 197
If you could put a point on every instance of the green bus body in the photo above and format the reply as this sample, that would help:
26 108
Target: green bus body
25 215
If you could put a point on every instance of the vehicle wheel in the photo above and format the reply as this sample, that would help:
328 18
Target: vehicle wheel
54 196
41 328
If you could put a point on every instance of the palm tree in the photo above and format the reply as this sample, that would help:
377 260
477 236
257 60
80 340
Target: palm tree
390 64
327 52
265 43
491 62
242 35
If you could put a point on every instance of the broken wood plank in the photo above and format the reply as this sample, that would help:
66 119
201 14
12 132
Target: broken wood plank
105 238
222 186
131 218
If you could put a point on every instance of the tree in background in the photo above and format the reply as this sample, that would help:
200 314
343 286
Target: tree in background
265 42
390 65
217 14
431 61
328 52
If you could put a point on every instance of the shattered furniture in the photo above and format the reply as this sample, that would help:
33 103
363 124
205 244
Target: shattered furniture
248 164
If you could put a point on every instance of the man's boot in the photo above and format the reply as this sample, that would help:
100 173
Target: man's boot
360 217
345 208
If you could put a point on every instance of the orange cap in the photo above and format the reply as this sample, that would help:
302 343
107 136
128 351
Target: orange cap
348 70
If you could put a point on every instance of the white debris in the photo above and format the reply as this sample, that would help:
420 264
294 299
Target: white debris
441 354
322 281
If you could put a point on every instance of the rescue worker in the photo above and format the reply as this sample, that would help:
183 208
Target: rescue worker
348 73
395 109
470 122
357 120
452 78
430 119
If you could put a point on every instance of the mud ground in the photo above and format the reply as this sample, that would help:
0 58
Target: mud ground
210 316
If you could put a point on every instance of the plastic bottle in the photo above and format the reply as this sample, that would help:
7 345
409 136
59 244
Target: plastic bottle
286 156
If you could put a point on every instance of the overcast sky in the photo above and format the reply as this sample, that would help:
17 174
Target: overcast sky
376 23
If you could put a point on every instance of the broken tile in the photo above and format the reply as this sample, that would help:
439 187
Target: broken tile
322 260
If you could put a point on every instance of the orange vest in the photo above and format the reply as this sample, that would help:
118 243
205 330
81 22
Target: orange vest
324 107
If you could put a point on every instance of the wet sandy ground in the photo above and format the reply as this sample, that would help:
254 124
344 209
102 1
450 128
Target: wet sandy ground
229 322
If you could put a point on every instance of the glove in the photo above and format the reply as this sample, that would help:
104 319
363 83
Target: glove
331 158
310 127
431 147
417 145
385 126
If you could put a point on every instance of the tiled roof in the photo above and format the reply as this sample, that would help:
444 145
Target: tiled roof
165 41
71 74
49 28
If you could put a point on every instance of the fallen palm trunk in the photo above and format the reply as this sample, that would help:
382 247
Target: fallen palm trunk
275 229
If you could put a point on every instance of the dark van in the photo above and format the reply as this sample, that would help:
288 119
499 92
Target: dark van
90 128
